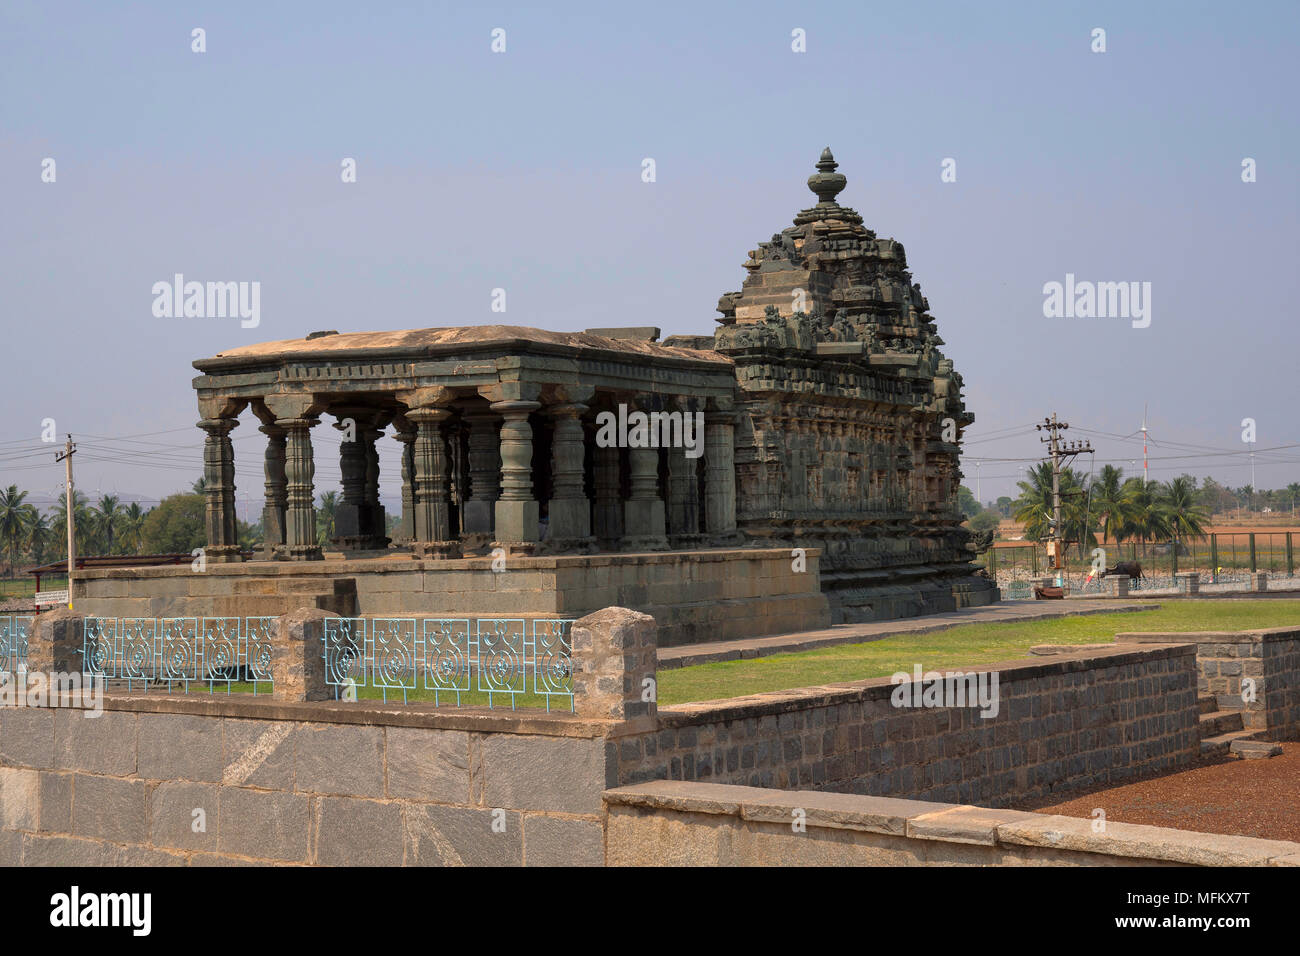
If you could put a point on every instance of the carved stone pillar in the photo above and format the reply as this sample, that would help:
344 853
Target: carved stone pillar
375 523
432 502
349 511
359 517
273 513
516 509
219 489
719 477
484 473
683 482
609 506
569 511
300 512
406 532
644 520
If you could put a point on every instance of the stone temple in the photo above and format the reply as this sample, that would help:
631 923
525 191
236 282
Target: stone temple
831 423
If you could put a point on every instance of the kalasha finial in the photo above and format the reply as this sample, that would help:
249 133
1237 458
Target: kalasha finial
827 183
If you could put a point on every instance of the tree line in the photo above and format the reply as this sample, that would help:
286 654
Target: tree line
1112 508
176 525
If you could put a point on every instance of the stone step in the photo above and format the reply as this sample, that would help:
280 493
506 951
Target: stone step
1220 746
1255 749
1206 705
1220 722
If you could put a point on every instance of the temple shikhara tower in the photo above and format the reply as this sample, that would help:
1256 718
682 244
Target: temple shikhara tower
821 488
849 415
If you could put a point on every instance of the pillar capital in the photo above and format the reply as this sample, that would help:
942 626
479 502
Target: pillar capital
515 410
218 426
430 413
566 410
292 424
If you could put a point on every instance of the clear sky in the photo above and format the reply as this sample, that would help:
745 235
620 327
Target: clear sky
522 170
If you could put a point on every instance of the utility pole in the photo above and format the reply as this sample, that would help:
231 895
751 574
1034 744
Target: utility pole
69 499
1059 452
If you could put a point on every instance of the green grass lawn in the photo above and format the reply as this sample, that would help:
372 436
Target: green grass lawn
471 698
957 647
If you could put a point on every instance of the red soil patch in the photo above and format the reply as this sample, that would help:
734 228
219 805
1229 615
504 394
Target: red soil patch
1255 798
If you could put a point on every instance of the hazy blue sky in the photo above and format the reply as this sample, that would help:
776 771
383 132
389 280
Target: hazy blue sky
522 170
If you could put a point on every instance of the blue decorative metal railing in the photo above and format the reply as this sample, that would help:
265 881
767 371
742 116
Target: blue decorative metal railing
509 658
470 661
179 651
13 642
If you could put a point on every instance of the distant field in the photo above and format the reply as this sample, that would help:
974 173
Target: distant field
957 647
25 586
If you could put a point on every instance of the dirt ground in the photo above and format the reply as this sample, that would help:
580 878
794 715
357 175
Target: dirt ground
1256 798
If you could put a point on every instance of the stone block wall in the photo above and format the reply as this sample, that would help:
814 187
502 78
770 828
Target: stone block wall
296 784
1224 659
1072 723
693 595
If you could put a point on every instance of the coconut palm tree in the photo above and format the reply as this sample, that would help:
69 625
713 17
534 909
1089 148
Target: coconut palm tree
1034 506
81 520
39 536
1109 505
14 517
325 517
1146 520
1181 515
105 520
131 527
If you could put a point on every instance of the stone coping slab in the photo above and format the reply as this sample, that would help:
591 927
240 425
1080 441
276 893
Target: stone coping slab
1264 634
953 823
404 564
372 713
1145 842
880 688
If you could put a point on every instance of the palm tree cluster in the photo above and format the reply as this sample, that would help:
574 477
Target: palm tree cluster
1111 508
108 527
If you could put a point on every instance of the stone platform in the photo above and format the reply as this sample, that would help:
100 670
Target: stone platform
694 596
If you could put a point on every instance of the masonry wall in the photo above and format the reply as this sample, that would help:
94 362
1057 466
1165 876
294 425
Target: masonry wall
1224 659
1073 723
309 783
693 595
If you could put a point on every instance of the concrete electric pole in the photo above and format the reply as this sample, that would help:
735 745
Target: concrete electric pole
69 500
1059 452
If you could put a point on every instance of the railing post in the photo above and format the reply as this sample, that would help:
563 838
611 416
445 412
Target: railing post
1290 557
298 656
1173 558
1214 558
54 642
1253 569
614 666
